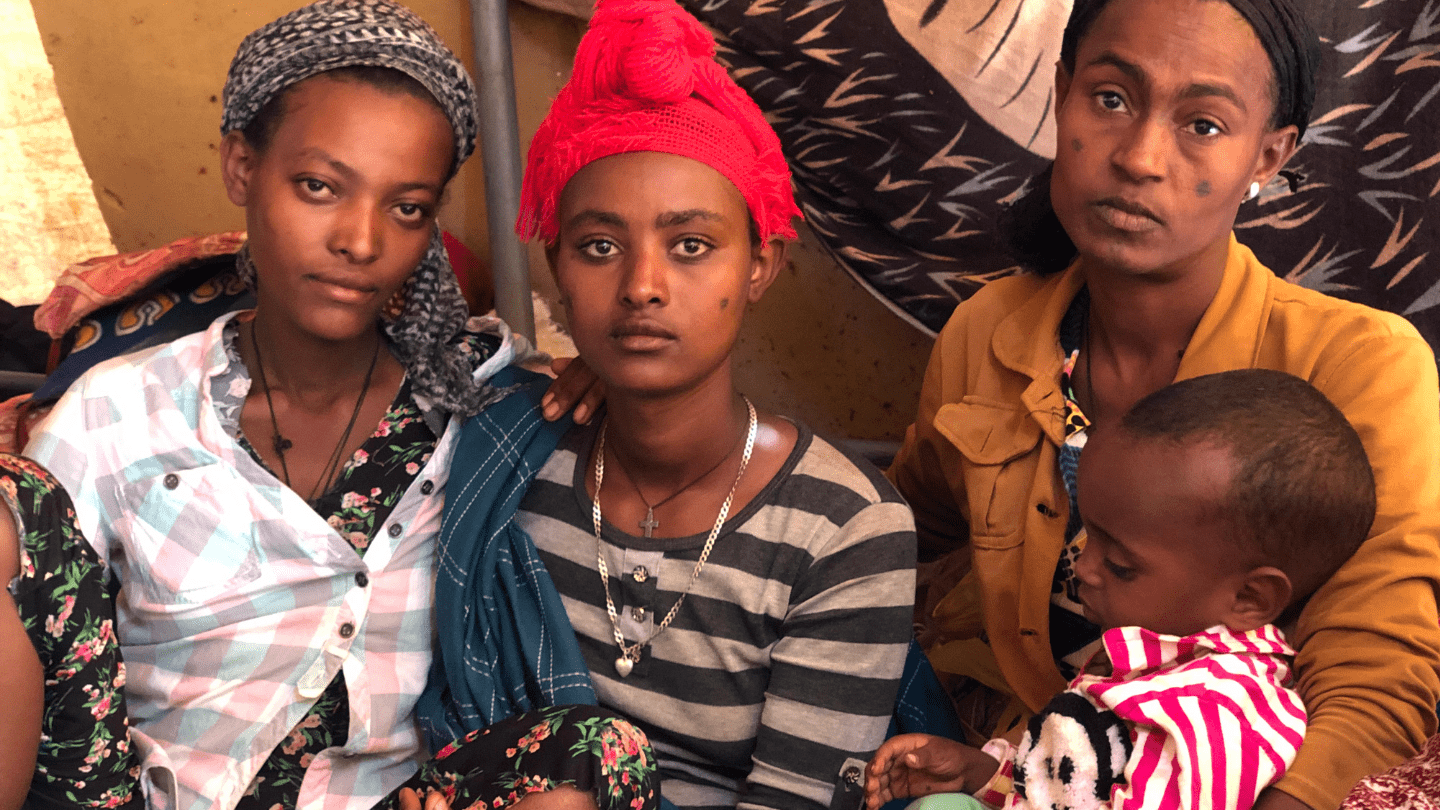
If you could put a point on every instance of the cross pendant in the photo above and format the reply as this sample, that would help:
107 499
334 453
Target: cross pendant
649 524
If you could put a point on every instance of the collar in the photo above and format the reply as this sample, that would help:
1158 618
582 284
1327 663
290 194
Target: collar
1135 651
1025 341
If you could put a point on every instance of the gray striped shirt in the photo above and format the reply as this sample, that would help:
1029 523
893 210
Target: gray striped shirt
778 674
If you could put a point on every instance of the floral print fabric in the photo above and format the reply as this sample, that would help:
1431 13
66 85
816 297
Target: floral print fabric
85 759
583 747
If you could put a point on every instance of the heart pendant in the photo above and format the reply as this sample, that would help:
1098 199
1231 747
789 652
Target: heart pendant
623 666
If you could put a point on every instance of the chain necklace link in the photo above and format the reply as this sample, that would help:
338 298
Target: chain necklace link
630 653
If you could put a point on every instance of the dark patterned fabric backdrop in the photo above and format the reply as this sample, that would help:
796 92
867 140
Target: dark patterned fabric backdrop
909 124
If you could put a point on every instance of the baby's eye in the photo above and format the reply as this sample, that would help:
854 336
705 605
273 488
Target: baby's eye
1121 572
599 248
692 247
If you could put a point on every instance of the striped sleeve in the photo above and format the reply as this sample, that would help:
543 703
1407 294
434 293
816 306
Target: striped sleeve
835 668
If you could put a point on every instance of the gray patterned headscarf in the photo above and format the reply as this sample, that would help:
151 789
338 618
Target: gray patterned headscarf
333 34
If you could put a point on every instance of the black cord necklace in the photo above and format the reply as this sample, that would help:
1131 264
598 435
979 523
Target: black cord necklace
649 524
281 444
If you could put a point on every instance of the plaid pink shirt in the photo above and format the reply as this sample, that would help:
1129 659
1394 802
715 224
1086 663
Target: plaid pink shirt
239 604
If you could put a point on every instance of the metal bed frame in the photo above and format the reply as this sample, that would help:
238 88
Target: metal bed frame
500 151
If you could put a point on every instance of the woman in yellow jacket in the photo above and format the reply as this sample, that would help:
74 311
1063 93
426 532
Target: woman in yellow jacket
1162 133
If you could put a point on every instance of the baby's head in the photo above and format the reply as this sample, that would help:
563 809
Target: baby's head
1223 499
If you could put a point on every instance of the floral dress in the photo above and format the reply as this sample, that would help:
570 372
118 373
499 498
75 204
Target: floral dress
582 747
68 610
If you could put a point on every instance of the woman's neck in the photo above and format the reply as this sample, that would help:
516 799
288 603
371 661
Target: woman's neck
1143 317
1137 330
661 440
307 369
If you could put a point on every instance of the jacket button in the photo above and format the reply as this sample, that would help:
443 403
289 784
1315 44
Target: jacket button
638 614
361 579
851 775
171 481
395 529
347 630
640 574
427 487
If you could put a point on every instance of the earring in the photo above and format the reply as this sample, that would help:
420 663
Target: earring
1254 191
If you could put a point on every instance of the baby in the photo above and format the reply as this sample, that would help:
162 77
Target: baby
1214 509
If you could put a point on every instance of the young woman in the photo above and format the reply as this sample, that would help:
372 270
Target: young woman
740 588
1171 114
268 492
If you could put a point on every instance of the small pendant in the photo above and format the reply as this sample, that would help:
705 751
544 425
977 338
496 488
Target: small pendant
649 524
623 666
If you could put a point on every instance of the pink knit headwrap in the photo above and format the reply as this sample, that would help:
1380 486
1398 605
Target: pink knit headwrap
646 80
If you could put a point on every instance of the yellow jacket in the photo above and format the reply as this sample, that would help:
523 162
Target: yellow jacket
979 467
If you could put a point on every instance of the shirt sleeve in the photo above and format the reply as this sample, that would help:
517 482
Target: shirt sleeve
919 470
63 445
1368 643
837 665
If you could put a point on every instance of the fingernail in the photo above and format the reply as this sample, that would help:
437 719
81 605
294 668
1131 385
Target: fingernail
582 414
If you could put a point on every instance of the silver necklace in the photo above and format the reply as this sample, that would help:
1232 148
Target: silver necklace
630 653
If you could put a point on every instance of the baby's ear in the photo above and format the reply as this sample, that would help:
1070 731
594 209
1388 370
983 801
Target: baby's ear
1261 595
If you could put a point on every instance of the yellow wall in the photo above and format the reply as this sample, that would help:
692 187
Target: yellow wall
140 81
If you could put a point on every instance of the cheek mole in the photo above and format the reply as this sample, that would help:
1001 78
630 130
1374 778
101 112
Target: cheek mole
724 303
1076 145
1203 189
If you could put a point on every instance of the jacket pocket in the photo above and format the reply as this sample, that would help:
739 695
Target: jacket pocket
191 535
997 443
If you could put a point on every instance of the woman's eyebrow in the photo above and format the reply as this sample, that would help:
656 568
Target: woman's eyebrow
339 166
1202 90
596 216
670 219
1134 71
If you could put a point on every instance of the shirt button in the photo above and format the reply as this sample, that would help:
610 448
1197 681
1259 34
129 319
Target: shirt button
640 574
638 614
395 529
347 630
427 487
172 481
361 579
851 775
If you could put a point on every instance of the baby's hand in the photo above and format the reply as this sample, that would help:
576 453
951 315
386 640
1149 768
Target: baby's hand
921 764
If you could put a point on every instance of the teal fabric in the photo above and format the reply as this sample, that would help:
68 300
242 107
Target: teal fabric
504 643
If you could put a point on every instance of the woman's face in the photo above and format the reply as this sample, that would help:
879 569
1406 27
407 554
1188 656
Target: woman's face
1161 130
341 203
656 267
